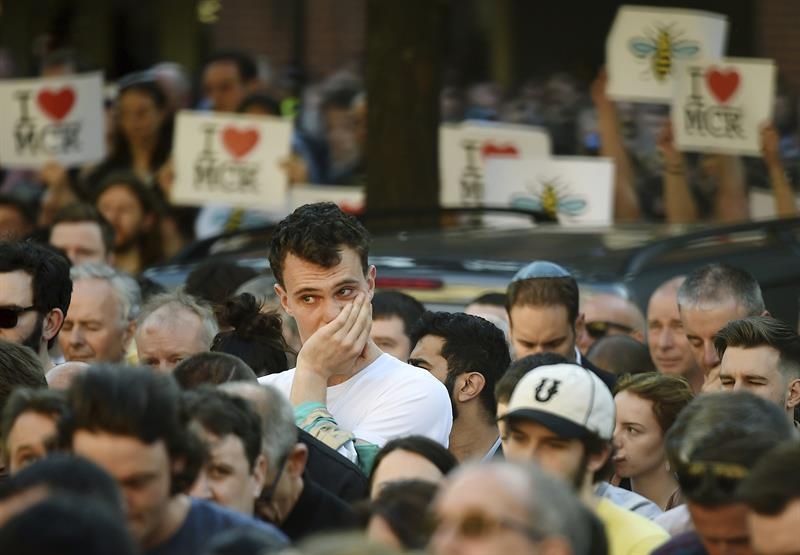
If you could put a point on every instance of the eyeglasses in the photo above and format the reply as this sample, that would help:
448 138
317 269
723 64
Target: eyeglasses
476 524
9 315
709 475
600 329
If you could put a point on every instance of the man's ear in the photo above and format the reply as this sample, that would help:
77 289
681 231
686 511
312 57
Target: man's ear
259 475
597 460
372 272
472 383
296 461
793 394
284 298
52 323
580 323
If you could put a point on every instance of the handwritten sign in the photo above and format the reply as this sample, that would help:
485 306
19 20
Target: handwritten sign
572 189
230 159
644 43
54 119
720 106
464 149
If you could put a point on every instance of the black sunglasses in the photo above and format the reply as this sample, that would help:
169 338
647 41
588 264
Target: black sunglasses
9 315
600 329
710 476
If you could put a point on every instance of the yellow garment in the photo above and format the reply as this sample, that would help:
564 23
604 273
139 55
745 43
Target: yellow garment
628 533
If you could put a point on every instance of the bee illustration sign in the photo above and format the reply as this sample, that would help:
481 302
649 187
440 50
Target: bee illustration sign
574 190
230 159
464 150
645 44
720 106
53 119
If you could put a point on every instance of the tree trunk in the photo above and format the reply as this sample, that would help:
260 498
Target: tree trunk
404 45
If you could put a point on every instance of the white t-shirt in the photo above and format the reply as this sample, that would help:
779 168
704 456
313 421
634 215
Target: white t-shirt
385 400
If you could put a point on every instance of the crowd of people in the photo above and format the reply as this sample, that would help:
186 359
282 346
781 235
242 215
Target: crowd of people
306 412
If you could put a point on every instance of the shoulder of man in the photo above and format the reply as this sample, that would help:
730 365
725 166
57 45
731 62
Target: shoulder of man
214 518
332 471
605 376
629 533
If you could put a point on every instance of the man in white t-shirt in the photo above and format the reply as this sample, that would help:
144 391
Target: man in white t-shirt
345 390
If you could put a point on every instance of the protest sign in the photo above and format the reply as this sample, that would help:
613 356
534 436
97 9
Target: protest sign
54 119
230 159
465 148
720 106
644 43
572 189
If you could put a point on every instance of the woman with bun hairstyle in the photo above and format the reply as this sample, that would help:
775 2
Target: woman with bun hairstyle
254 336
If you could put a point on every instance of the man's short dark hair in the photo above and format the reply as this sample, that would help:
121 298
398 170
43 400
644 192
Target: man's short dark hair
317 233
223 414
763 331
19 367
245 65
471 344
423 446
621 354
717 283
26 211
718 438
66 525
774 481
386 304
216 280
211 369
80 212
134 402
546 291
404 506
63 473
49 271
505 385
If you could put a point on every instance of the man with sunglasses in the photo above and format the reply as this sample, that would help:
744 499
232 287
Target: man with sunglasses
542 303
562 417
35 292
606 315
712 447
290 499
504 508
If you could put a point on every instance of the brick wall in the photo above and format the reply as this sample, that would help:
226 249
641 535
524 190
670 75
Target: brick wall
778 36
334 31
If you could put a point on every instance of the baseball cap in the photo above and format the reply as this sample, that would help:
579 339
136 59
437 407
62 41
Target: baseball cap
540 269
566 398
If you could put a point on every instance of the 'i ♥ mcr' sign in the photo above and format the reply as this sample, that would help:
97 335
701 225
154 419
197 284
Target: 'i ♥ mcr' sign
53 119
230 159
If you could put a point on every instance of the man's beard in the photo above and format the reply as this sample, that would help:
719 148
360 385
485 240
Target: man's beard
34 339
449 383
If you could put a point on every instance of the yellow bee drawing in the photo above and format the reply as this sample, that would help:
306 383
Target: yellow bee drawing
551 198
661 47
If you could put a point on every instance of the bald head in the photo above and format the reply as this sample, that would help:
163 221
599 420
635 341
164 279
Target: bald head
60 376
605 315
170 334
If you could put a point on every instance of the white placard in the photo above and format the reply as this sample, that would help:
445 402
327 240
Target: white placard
644 43
230 159
573 189
54 119
720 106
465 148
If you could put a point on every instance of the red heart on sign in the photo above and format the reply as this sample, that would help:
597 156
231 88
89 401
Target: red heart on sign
722 83
490 149
239 143
56 105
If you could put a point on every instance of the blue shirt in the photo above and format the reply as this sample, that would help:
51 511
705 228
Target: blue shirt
204 521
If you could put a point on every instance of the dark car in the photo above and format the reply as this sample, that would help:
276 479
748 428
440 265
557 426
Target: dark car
449 266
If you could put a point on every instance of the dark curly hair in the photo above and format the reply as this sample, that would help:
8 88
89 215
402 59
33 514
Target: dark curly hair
255 337
317 233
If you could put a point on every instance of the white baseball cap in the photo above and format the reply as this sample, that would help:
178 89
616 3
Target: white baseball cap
566 398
